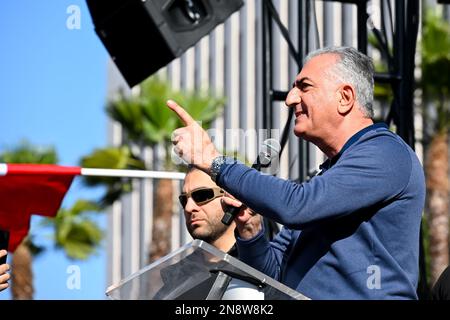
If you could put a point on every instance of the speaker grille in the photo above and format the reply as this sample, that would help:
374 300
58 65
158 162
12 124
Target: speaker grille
144 36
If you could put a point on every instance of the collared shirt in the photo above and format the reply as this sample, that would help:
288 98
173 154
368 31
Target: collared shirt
350 233
330 162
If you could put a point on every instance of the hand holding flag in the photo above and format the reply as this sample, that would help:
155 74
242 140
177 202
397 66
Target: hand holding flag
27 189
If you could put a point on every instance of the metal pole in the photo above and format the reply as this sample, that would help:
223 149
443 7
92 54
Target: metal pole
267 68
362 17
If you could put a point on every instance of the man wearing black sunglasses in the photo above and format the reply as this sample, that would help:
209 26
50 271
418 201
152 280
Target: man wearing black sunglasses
203 210
203 207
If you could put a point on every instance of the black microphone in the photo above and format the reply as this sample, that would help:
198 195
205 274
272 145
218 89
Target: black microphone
267 162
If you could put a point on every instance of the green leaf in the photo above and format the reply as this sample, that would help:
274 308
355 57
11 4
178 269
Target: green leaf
146 118
111 158
75 232
25 152
146 121
82 206
436 67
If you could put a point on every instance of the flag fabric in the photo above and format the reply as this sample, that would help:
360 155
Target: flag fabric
27 189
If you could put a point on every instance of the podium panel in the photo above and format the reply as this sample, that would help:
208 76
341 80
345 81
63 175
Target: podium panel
199 271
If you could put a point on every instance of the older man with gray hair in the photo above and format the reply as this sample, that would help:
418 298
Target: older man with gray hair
4 276
351 232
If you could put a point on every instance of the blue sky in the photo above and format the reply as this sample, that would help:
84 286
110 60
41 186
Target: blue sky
52 93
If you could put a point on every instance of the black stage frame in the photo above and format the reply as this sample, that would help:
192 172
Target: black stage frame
399 54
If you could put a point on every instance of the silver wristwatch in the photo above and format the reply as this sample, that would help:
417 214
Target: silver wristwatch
215 167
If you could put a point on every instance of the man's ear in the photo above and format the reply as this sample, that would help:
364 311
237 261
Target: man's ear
347 98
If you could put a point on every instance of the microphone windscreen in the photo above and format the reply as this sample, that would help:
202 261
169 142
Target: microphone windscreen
269 151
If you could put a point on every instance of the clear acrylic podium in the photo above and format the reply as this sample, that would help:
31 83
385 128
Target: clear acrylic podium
199 271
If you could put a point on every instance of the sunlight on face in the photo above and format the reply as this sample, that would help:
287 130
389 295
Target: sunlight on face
203 221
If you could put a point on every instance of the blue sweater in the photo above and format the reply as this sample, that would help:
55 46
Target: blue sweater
351 232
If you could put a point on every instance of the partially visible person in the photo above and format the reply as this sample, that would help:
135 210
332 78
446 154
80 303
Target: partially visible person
441 289
201 200
203 211
4 276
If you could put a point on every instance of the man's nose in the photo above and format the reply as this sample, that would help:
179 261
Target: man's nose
191 206
293 98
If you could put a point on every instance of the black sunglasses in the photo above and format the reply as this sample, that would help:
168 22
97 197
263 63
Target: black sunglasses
201 195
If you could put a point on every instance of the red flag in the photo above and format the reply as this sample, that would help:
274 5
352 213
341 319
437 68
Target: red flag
27 189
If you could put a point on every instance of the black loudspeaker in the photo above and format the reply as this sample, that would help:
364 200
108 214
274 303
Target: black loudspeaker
143 36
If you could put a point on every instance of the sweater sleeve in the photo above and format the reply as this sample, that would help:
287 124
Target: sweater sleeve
263 255
370 172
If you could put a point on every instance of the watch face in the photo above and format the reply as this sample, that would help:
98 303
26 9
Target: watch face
215 167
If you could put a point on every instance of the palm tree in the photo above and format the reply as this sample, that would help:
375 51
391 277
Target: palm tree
147 122
74 231
112 158
436 88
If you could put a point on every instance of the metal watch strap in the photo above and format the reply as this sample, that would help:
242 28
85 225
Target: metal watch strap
215 167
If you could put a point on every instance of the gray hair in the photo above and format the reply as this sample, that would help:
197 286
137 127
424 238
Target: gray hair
354 68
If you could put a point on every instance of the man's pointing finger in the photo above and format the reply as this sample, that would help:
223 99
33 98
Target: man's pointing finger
181 113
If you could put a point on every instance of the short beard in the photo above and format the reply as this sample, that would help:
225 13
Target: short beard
211 236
